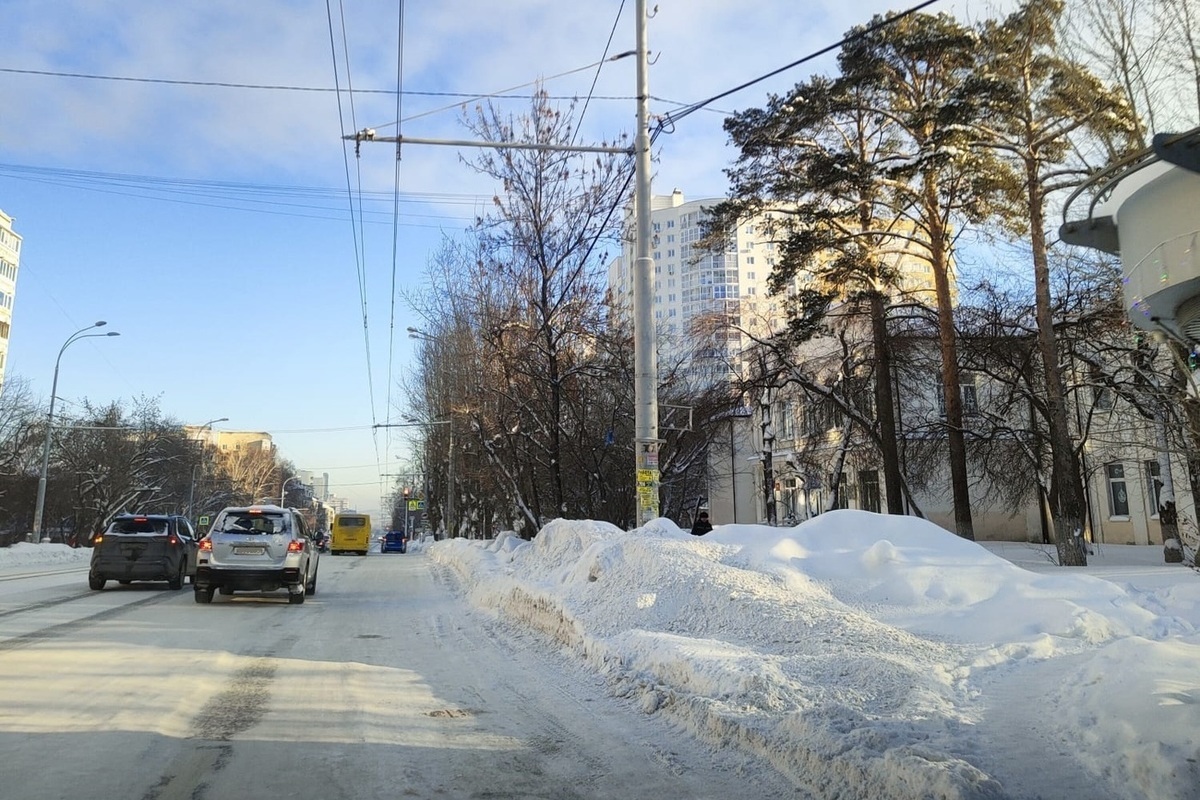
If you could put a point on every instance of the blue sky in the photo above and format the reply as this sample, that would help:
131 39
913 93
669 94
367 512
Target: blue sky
224 277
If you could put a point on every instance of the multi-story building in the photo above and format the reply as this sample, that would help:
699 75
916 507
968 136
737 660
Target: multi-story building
10 256
692 283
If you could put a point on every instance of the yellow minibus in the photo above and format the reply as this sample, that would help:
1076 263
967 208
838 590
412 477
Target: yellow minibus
351 533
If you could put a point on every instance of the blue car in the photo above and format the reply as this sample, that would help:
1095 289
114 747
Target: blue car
394 542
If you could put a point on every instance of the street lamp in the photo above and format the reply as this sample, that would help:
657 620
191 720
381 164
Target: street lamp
192 489
82 333
283 489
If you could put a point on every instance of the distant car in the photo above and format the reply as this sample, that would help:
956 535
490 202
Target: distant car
394 542
144 547
258 549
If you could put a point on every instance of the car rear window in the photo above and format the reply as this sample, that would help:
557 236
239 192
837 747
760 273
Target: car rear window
138 526
246 522
351 522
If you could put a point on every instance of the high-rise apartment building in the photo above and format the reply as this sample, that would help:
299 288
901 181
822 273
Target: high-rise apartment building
10 256
692 283
728 285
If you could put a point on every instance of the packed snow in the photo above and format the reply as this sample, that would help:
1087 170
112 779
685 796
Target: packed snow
871 656
868 656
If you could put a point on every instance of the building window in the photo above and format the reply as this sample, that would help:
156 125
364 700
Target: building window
787 422
968 393
843 498
1153 487
1102 398
970 396
1118 495
868 483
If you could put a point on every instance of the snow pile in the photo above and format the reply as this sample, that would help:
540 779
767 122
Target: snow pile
26 554
856 651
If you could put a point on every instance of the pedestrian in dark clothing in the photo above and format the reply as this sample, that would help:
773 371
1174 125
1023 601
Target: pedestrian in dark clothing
702 525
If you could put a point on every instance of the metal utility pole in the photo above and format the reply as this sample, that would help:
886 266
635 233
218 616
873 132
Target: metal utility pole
645 358
646 472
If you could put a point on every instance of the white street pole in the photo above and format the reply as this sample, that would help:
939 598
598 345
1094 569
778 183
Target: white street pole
283 490
36 534
644 356
192 488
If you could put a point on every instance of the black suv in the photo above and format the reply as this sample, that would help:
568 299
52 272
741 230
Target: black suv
144 547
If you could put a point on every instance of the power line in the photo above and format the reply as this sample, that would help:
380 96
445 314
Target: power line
287 88
395 223
599 66
672 118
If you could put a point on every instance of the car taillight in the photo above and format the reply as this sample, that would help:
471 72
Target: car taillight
295 546
206 545
172 540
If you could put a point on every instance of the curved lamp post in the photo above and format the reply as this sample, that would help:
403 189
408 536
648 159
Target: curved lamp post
82 333
283 489
192 488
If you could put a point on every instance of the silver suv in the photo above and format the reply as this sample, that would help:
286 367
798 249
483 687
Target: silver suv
257 549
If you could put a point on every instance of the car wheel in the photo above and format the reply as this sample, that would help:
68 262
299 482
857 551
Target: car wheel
96 583
176 581
296 598
225 590
204 595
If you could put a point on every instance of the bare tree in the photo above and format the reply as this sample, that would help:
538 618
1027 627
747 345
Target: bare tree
1150 49
20 436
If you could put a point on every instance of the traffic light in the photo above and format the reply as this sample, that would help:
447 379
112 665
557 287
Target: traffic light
406 492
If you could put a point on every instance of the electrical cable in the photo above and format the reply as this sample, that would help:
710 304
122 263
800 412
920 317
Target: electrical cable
286 88
395 229
673 117
599 66
500 93
356 226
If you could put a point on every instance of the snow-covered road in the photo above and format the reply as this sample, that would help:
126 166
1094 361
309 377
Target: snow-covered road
385 684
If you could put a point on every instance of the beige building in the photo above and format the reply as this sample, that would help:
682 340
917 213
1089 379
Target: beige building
691 283
10 256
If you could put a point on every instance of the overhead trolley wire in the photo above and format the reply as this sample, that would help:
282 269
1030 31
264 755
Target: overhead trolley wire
599 66
356 226
395 227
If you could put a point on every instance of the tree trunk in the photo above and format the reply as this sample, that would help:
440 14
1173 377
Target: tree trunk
768 457
885 406
939 260
1070 503
1168 520
839 466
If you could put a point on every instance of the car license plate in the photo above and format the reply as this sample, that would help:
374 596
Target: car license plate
247 551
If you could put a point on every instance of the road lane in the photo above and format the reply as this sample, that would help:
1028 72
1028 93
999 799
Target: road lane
384 684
